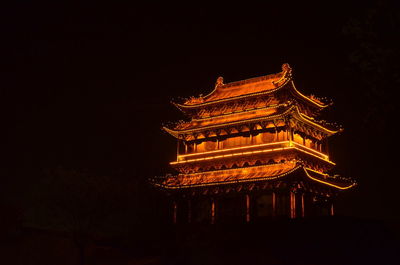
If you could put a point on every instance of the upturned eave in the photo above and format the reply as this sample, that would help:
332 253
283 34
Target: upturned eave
293 109
252 175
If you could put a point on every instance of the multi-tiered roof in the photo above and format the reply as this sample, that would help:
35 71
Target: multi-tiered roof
247 108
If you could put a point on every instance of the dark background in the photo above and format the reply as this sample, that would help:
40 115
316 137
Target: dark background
88 86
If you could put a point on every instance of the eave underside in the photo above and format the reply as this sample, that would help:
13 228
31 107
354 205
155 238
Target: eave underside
278 116
256 175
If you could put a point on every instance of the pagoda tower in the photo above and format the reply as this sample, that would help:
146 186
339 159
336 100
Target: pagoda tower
252 150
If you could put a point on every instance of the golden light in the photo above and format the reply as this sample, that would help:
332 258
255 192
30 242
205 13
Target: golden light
259 132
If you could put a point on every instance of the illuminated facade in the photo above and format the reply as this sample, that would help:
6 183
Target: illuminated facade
253 149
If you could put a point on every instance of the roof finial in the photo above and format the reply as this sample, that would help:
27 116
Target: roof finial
220 82
286 67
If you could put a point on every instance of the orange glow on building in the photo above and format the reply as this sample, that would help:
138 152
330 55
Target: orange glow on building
257 141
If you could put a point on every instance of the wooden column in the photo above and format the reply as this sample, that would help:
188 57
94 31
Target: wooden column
302 204
273 204
292 204
287 133
177 151
247 208
174 212
186 147
212 211
326 146
291 134
332 210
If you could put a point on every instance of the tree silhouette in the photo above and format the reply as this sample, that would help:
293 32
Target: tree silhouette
374 38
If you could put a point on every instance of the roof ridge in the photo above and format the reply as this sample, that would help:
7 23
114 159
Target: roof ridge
283 76
285 69
250 80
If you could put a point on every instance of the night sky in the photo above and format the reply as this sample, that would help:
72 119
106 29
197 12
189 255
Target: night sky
89 86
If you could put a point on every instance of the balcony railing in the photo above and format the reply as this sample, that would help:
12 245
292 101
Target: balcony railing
248 150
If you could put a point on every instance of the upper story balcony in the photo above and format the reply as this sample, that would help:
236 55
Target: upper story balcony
249 150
